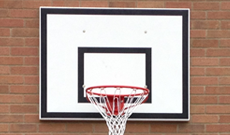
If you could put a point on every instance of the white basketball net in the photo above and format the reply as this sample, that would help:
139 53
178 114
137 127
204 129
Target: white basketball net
116 105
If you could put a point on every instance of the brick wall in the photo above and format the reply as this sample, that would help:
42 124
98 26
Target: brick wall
210 70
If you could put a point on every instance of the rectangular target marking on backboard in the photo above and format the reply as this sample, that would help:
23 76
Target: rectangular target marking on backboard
80 47
113 66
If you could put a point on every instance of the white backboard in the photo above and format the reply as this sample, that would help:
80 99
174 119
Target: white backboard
83 47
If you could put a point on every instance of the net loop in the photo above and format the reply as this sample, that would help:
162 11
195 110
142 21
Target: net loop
116 104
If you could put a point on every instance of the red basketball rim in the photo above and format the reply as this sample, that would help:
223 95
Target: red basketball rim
89 90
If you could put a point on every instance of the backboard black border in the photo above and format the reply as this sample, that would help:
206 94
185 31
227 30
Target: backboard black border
82 50
45 115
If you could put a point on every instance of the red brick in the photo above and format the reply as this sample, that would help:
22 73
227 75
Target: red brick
205 24
32 99
156 134
178 4
4 32
25 32
4 70
224 61
169 128
49 134
31 118
122 4
225 5
194 71
23 13
137 128
52 127
204 43
218 71
217 90
4 13
224 80
225 24
8 98
218 128
100 127
150 4
204 80
82 127
198 33
4 108
32 41
189 128
58 3
11 118
198 15
72 3
13 4
36 4
94 4
23 127
224 119
78 134
12 134
32 23
4 127
197 90
206 6
224 43
4 89
11 60
27 89
11 41
31 80
197 52
204 118
1 3
204 61
24 51
218 15
31 60
218 33
11 79
11 22
203 99
23 109
24 70
224 99
218 109
4 51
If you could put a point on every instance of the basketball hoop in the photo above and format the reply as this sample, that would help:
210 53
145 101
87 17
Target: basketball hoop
116 104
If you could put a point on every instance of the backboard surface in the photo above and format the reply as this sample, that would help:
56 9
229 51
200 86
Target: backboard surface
83 47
